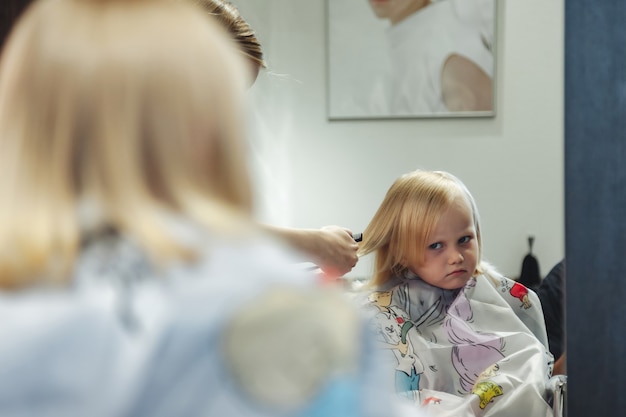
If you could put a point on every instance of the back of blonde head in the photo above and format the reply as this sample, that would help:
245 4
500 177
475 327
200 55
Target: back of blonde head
130 107
243 34
401 228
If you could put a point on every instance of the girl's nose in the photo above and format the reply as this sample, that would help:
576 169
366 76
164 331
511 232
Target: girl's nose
456 257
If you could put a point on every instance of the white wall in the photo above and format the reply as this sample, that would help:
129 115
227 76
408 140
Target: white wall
317 172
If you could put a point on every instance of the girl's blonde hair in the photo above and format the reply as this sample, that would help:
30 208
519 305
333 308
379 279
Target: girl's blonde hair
131 108
400 230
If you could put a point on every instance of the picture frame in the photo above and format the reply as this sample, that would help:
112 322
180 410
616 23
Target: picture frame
386 63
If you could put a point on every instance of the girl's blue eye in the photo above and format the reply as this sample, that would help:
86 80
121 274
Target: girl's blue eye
435 246
465 239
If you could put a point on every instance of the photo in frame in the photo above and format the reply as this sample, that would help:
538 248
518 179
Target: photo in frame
411 58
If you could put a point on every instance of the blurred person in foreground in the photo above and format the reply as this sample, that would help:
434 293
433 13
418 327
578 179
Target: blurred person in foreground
132 279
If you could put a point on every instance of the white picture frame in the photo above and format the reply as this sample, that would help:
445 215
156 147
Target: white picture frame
379 70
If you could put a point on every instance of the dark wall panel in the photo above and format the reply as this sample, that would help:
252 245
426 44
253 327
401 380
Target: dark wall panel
595 172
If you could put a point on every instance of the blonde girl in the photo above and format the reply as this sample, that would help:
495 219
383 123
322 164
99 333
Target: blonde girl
459 318
107 123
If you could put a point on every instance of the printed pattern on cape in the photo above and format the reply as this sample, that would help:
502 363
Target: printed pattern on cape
479 350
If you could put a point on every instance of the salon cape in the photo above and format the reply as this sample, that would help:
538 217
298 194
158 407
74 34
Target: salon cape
478 351
130 340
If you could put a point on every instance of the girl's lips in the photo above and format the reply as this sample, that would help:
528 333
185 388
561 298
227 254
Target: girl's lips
457 272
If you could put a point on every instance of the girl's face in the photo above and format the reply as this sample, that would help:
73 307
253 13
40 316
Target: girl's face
396 10
452 251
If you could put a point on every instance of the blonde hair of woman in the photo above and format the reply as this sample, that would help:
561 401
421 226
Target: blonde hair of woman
241 31
106 122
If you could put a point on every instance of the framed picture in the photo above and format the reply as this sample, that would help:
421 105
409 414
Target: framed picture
411 58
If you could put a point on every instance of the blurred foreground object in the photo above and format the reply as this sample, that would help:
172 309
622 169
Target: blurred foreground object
130 271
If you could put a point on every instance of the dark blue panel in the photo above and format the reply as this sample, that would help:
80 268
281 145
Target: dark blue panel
595 197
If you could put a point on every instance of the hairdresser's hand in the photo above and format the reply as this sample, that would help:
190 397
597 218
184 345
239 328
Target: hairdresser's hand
334 250
331 248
